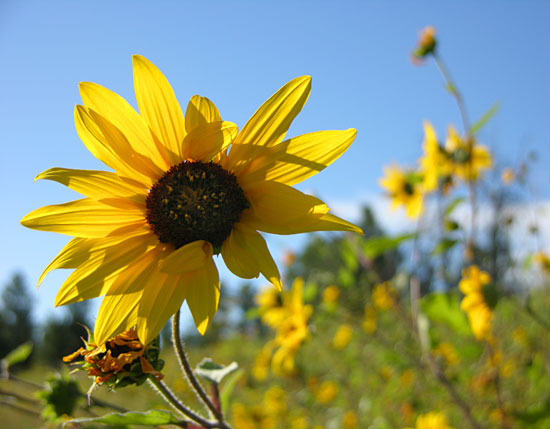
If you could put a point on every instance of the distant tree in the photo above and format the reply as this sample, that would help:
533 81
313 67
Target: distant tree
16 322
63 336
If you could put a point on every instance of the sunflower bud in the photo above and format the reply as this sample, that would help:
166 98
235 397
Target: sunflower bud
426 44
121 361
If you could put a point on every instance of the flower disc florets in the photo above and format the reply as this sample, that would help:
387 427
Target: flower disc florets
195 201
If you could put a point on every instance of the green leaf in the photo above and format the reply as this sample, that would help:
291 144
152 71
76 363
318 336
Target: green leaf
378 245
453 205
228 386
445 308
481 122
211 371
443 245
19 354
534 414
147 418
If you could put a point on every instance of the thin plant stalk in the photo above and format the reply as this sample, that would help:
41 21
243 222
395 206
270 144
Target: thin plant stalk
188 371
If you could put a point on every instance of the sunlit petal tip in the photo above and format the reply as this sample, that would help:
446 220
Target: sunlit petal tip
192 256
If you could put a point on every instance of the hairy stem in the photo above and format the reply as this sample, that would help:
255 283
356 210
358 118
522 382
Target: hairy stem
188 371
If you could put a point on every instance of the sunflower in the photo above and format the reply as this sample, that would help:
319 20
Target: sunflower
469 159
405 189
435 164
182 190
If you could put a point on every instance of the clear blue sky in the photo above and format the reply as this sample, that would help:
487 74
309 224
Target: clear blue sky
237 54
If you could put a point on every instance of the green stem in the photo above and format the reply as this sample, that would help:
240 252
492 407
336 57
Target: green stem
186 368
167 394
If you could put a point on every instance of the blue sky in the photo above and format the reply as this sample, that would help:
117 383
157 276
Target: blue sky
238 54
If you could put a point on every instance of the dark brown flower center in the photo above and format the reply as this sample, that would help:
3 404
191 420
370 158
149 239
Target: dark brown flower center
195 201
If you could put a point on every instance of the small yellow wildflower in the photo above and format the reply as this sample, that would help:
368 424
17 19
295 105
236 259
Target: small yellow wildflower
342 337
447 351
383 296
290 324
468 158
270 305
369 322
331 294
404 190
432 420
350 420
326 392
435 164
507 176
543 261
473 303
275 400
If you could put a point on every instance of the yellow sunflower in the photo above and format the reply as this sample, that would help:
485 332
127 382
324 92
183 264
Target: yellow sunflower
404 189
183 189
469 159
435 164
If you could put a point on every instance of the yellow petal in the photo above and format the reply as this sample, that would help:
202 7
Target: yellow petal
202 292
85 218
113 107
94 184
162 297
95 142
200 111
116 139
95 276
159 106
301 157
281 209
271 121
209 139
246 255
191 257
72 255
119 308
429 132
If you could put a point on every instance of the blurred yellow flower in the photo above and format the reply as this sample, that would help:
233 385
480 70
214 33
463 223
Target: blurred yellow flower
507 176
543 261
342 337
331 294
369 322
432 420
435 164
270 307
260 370
404 189
468 158
447 351
473 303
275 399
182 190
300 422
350 420
383 296
326 392
290 324
252 417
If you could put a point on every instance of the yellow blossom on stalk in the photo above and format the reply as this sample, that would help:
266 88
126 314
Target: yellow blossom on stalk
447 351
404 189
270 307
432 420
474 304
342 337
350 420
426 44
383 296
435 164
331 294
468 158
543 261
291 329
507 176
181 190
369 322
326 392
